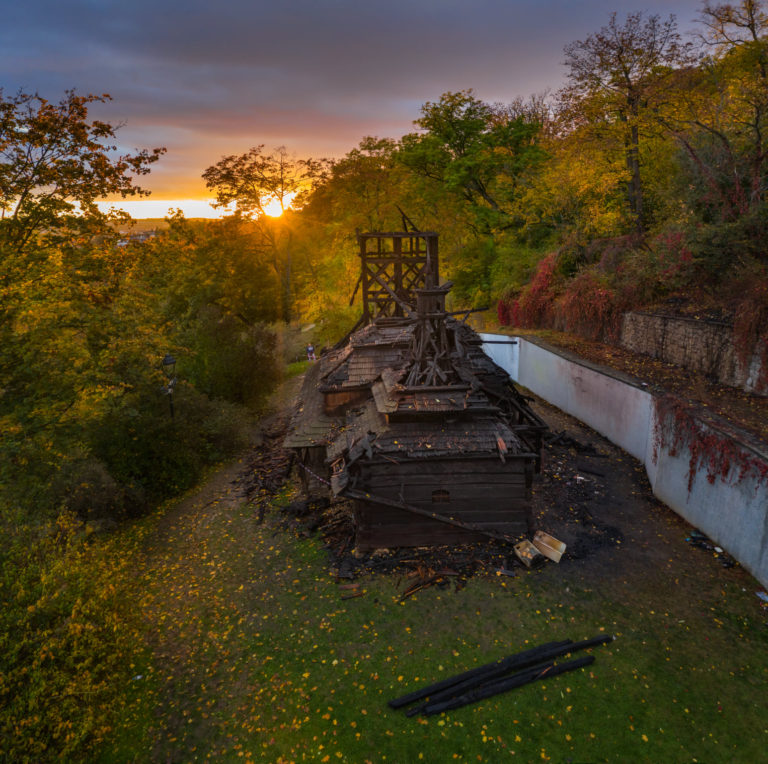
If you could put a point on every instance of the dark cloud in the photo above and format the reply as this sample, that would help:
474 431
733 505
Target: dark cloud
315 75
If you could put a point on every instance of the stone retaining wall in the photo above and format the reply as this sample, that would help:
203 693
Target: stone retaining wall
705 346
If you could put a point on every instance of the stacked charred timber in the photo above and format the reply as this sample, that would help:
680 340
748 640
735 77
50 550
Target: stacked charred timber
412 421
498 677
269 467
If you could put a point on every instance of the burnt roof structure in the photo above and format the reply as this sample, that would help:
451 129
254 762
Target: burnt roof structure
410 419
392 266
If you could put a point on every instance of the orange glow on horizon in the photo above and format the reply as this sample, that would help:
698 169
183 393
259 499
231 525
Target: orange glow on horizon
160 208
192 208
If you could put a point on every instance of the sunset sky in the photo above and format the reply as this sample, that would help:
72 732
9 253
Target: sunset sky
207 79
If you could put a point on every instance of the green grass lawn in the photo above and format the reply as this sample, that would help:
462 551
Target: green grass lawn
249 653
198 633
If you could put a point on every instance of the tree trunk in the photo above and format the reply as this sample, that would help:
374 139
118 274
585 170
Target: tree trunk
287 283
635 188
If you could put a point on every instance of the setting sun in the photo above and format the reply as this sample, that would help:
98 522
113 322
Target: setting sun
274 208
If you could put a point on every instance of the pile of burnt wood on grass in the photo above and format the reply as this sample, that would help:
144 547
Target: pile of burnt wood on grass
419 567
569 501
498 677
268 466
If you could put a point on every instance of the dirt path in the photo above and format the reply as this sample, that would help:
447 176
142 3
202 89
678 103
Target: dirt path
200 608
195 570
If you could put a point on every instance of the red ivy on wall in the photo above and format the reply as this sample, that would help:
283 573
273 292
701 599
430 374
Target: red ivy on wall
676 429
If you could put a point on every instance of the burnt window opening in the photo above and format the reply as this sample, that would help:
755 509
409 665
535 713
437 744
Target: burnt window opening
440 497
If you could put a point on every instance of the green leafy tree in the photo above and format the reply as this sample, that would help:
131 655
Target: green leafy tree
725 132
362 189
220 293
59 279
55 162
477 152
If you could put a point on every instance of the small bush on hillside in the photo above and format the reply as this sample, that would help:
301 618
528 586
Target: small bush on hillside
68 630
471 271
153 456
232 360
589 307
514 263
87 489
750 326
720 249
534 305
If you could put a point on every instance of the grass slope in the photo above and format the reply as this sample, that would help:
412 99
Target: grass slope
249 653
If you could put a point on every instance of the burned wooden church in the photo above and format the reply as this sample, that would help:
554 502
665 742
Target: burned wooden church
408 417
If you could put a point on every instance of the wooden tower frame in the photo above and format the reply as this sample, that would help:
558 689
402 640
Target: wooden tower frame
392 266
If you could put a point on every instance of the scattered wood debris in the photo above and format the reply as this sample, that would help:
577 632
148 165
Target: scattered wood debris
269 466
549 546
528 554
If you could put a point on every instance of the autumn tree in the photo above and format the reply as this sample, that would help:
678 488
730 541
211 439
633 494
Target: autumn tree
84 323
252 181
361 190
726 133
619 78
219 291
55 162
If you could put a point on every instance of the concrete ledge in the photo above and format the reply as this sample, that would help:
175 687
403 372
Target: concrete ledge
732 511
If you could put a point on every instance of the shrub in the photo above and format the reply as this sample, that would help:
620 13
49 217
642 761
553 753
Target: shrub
153 456
67 639
750 326
232 360
589 307
504 312
534 306
674 263
87 489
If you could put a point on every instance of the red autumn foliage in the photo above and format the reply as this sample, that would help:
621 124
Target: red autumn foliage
503 312
590 308
534 306
750 325
677 429
675 266
586 305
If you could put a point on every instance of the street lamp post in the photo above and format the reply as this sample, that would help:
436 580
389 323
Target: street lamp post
169 367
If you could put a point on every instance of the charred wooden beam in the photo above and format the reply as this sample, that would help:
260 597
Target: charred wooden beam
353 493
518 660
455 686
546 671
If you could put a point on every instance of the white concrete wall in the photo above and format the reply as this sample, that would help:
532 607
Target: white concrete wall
609 405
507 356
732 512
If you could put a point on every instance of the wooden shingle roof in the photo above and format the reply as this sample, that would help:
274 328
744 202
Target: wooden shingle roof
310 426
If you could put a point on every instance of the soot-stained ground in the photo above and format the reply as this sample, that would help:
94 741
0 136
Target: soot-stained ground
590 495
